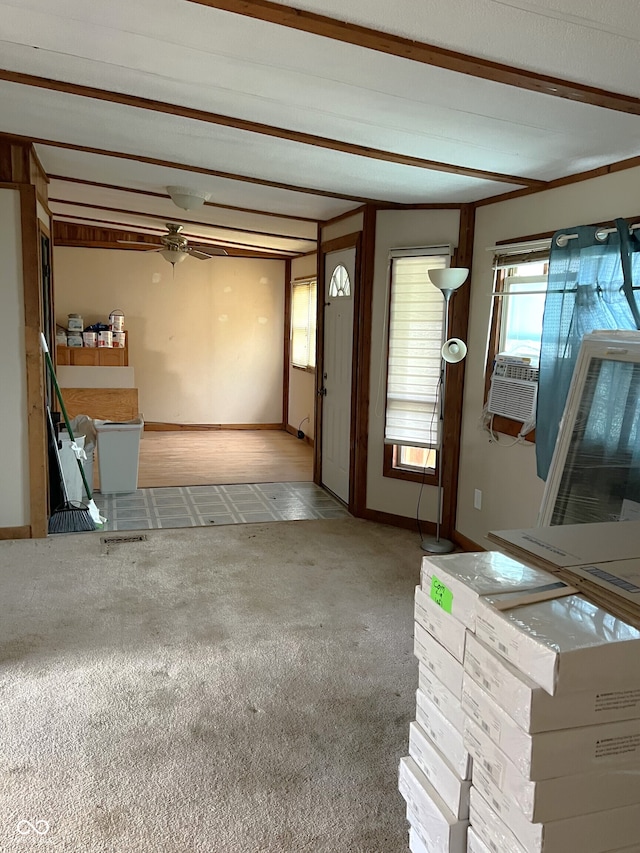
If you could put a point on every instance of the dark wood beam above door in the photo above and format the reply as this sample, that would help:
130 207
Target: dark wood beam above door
428 54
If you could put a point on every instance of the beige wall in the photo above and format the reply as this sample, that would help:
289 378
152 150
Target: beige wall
397 229
349 225
511 491
302 384
14 453
206 343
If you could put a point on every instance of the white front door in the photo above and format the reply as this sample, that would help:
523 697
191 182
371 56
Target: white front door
339 281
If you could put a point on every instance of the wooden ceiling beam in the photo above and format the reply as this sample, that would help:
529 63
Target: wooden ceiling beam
221 242
73 235
166 196
180 218
295 136
184 167
427 54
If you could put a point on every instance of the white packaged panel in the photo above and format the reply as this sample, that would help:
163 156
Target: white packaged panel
546 755
490 829
588 833
446 702
448 740
453 790
455 581
434 823
564 645
532 708
551 799
447 630
475 843
437 659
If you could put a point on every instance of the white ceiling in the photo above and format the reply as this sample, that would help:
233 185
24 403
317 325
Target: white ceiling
180 53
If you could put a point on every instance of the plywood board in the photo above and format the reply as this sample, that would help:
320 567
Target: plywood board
110 404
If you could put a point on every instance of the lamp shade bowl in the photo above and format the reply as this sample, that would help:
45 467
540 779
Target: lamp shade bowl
449 278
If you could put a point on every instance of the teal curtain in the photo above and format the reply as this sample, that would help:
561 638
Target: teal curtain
590 287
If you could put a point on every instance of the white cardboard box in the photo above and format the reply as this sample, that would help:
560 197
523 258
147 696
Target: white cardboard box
588 833
490 829
434 823
448 704
551 799
436 658
546 755
455 581
453 790
567 545
416 844
565 645
533 709
448 740
475 844
447 630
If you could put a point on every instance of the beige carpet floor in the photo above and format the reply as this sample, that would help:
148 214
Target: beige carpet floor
241 689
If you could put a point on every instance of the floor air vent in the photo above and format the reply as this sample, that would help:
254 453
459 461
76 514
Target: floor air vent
123 540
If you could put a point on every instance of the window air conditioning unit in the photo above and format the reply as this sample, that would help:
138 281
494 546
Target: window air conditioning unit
514 389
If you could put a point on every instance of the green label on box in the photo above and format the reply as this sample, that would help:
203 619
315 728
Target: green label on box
441 594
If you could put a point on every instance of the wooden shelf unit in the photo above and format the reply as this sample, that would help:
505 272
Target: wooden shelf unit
93 356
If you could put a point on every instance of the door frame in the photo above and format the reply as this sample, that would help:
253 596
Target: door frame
359 371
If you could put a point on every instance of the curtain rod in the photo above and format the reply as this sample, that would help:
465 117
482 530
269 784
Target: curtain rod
601 234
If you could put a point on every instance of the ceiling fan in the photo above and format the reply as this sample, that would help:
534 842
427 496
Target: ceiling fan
174 246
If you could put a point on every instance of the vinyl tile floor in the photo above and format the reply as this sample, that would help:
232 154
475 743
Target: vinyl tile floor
196 506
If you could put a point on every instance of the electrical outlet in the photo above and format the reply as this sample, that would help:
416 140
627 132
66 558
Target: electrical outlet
477 499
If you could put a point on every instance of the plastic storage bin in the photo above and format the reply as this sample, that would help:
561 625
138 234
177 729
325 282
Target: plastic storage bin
118 454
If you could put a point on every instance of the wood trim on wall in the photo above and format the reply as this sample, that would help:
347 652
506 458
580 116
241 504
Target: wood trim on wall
391 470
247 126
455 376
601 171
37 436
356 210
317 426
347 241
465 543
401 521
162 426
23 532
362 360
428 54
286 367
294 431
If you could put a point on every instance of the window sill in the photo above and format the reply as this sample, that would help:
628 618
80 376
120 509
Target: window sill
389 470
509 426
304 369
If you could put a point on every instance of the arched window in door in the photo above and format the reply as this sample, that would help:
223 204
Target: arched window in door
340 284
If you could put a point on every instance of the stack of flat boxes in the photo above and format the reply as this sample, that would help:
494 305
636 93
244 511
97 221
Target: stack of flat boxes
551 697
435 778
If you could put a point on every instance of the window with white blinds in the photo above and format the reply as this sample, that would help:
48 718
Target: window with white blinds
416 321
303 323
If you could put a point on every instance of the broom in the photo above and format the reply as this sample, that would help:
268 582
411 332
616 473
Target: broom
92 508
70 516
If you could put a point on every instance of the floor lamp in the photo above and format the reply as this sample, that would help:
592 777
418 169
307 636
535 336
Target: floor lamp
447 281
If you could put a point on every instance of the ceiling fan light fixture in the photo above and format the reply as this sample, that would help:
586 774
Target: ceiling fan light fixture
174 256
186 198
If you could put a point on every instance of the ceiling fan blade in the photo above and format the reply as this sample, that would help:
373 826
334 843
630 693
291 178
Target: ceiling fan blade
199 255
210 251
140 243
